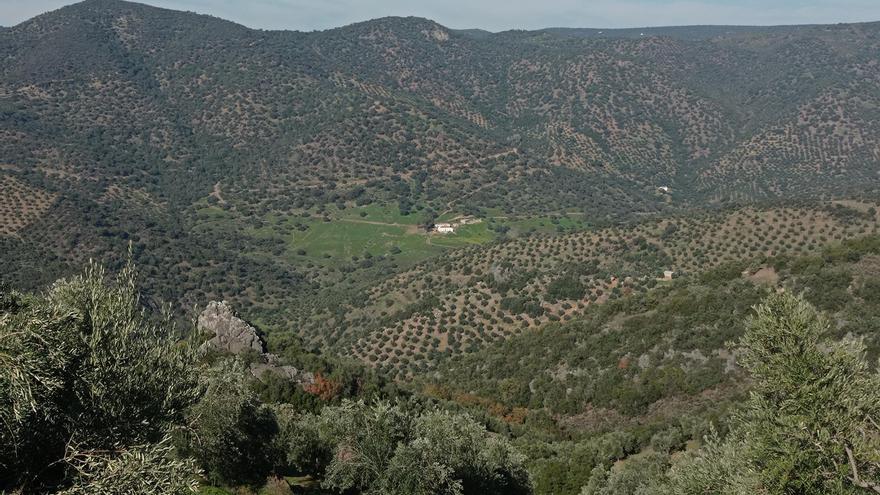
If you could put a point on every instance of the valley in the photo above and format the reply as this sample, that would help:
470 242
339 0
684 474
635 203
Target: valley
564 244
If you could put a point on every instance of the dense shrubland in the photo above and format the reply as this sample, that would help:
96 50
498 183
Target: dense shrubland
100 397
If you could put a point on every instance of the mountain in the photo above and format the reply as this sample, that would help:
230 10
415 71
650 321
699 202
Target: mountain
614 204
283 171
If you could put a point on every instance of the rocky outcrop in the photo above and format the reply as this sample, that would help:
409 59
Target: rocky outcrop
231 333
234 335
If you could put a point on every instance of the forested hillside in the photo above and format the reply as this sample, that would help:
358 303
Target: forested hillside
657 273
125 122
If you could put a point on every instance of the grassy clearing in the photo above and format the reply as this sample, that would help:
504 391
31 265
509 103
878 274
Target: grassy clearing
372 231
477 233
335 236
210 213
345 238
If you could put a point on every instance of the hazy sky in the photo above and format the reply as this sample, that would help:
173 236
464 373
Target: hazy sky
498 15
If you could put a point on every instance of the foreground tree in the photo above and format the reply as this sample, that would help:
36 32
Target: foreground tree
231 433
392 449
149 468
85 383
810 425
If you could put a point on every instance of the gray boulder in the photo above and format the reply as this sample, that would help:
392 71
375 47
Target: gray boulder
231 333
236 336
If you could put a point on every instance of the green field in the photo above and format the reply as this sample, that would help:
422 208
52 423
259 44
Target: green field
376 213
477 233
334 236
345 238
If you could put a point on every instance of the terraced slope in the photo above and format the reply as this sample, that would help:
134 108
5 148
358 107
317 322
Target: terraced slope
468 298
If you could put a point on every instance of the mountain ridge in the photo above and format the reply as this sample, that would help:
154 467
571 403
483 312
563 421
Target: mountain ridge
709 30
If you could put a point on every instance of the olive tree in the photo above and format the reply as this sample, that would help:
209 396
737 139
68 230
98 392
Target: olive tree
811 417
810 423
385 448
232 434
83 370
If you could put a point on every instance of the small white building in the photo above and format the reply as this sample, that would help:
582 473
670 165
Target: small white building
668 274
663 189
445 228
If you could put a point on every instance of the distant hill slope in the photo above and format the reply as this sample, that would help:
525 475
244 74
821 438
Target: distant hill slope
460 302
211 147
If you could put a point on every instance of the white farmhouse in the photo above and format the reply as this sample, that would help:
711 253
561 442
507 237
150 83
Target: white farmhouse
445 228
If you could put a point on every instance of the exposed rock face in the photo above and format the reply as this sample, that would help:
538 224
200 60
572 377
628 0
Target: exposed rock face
236 336
231 333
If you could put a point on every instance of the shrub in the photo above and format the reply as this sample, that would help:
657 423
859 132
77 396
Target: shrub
138 470
808 425
232 432
82 366
387 449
